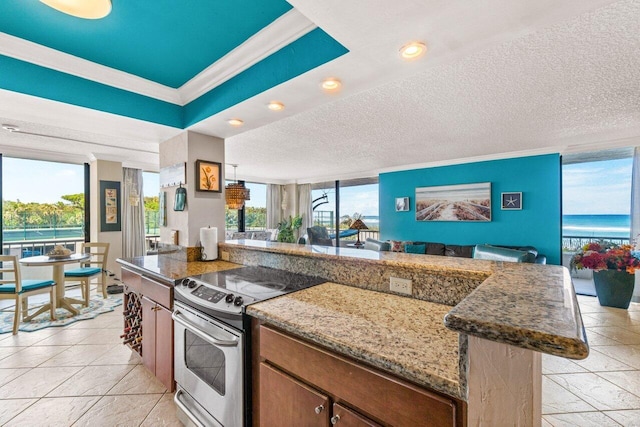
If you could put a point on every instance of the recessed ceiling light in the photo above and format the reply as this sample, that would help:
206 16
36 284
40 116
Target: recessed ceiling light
235 122
11 128
413 50
275 106
331 84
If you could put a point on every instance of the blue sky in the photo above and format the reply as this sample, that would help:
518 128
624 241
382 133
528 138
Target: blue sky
588 188
597 187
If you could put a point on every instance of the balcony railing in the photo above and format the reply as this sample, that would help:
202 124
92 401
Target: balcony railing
573 243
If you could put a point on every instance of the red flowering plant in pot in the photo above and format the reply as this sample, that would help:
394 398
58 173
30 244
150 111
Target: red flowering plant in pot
613 268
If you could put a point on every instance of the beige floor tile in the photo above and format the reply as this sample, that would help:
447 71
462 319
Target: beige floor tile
546 423
629 381
580 419
78 355
92 381
617 333
118 355
597 391
138 381
7 375
595 339
556 399
103 321
119 411
628 354
36 383
25 339
67 337
626 418
163 414
103 336
599 362
32 356
11 408
8 351
60 411
559 365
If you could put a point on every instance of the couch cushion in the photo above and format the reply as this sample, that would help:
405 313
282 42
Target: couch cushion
495 253
432 248
463 251
415 249
397 245
376 245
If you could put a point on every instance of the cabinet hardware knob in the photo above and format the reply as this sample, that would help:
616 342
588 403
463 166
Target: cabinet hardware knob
335 419
319 409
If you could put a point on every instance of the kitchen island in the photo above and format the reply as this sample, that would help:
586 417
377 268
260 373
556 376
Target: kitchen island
494 320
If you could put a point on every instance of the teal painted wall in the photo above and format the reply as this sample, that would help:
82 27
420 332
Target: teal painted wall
537 224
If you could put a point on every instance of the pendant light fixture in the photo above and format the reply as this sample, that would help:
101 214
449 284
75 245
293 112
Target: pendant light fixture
87 9
236 194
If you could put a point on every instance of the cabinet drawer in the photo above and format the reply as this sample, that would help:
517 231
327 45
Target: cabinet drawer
159 292
374 393
132 280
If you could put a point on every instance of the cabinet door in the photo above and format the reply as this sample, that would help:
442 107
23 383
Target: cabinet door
164 346
149 334
345 417
285 402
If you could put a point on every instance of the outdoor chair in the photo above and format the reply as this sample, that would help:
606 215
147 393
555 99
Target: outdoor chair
95 267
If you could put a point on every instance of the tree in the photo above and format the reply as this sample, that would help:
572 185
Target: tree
76 200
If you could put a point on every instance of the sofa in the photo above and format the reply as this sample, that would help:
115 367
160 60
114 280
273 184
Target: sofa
490 252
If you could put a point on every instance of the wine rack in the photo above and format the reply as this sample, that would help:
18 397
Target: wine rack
132 313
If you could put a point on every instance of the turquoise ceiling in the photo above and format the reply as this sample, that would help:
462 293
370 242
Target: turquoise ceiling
166 41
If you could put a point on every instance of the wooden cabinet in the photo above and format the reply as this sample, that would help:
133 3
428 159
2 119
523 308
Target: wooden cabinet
297 375
154 339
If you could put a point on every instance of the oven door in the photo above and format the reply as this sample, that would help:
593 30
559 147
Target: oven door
208 365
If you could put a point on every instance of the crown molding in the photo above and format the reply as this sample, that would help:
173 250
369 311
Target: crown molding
280 33
34 53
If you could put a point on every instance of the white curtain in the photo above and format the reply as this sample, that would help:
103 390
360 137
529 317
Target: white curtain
133 243
304 206
635 214
274 205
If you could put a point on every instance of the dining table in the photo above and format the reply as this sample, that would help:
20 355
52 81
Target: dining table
58 264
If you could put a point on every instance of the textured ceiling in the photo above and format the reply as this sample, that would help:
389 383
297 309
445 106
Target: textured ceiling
501 78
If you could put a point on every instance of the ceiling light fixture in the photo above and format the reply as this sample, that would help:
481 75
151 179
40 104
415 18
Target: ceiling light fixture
87 9
235 122
413 50
236 194
10 128
275 106
331 84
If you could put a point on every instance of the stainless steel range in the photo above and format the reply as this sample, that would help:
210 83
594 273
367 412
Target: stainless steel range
212 343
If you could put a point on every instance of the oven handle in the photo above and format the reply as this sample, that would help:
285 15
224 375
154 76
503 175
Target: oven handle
194 329
185 410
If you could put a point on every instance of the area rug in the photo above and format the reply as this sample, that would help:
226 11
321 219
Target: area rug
97 306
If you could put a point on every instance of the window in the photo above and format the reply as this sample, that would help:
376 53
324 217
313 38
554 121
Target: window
43 206
596 198
255 209
150 191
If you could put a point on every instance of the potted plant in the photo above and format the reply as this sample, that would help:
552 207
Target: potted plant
288 227
613 268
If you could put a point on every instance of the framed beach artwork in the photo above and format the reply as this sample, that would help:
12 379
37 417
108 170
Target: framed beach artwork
511 201
110 206
208 175
464 202
402 204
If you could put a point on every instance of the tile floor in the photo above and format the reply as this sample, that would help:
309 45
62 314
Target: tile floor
81 376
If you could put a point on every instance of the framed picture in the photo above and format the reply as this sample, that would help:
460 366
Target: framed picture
208 176
110 203
511 201
402 204
464 202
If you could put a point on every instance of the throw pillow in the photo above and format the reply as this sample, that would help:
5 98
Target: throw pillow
415 249
396 245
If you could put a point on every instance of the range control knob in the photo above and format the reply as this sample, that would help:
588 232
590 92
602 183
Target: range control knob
229 298
238 301
192 283
184 282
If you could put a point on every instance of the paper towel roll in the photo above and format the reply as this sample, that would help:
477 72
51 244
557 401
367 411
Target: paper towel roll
209 242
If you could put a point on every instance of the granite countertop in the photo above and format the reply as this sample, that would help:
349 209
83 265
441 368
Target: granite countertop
399 335
172 269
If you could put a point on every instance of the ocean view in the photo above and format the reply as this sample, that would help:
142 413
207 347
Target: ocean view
596 225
